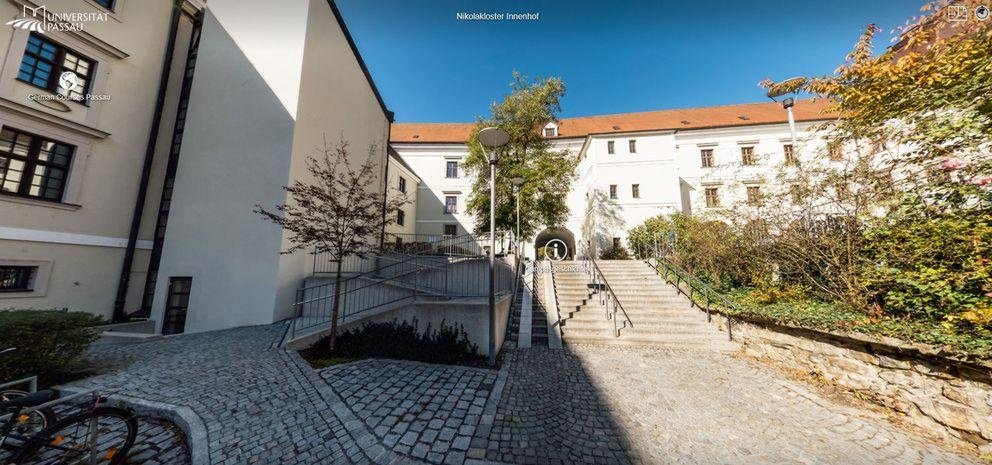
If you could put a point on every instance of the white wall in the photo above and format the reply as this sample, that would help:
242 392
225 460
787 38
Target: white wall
236 153
428 161
666 166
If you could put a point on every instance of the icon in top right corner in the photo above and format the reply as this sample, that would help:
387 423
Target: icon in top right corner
982 13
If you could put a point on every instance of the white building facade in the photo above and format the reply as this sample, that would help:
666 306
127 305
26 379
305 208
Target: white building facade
631 167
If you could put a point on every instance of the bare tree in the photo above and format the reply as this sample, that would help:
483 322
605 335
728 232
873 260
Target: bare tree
338 213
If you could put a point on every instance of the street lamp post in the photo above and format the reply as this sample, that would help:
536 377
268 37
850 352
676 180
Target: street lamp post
517 182
782 88
492 137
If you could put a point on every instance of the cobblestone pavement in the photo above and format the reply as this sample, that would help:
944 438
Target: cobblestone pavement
609 405
590 405
257 404
424 411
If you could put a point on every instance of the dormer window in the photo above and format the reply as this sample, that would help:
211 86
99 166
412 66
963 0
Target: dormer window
551 130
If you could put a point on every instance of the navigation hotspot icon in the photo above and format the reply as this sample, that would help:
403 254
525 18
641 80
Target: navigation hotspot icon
555 250
68 81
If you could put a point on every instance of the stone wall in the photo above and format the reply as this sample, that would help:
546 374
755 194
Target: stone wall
951 398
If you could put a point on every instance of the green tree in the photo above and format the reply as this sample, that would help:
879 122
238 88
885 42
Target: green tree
336 212
547 173
925 252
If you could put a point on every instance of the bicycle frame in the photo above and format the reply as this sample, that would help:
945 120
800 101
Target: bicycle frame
30 381
9 420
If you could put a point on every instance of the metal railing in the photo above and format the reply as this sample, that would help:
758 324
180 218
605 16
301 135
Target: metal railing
378 281
608 299
465 245
699 293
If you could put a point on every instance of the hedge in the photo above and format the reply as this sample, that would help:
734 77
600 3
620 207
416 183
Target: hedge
48 343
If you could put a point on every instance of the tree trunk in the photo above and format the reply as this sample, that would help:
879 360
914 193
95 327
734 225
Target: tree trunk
337 302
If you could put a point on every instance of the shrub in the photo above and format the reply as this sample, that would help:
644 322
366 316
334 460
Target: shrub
935 267
400 340
615 253
49 342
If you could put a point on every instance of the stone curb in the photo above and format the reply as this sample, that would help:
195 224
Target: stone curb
184 417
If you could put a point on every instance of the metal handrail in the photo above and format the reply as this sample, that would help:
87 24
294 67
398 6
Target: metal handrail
314 304
465 245
698 291
609 298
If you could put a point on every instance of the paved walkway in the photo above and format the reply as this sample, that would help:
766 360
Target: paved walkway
580 405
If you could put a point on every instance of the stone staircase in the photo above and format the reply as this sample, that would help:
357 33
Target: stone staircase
659 315
539 319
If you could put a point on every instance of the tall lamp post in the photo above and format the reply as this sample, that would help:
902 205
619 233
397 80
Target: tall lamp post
517 182
493 138
779 89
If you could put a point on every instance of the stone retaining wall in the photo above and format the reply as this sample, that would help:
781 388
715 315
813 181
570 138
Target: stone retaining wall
951 398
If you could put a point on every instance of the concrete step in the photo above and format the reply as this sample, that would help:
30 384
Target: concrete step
609 340
641 312
638 333
125 337
668 325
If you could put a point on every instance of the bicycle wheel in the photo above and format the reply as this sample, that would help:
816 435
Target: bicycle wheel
26 424
70 440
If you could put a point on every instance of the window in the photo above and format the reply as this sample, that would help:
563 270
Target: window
747 156
753 195
400 217
402 186
32 166
635 191
451 169
44 61
610 149
712 197
451 230
633 146
17 278
706 158
790 154
108 4
616 242
835 152
177 305
613 191
550 132
451 204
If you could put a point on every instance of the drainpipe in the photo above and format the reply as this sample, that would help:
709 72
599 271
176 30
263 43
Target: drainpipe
385 180
139 202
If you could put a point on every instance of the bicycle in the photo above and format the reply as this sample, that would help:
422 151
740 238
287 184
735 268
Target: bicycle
36 420
95 434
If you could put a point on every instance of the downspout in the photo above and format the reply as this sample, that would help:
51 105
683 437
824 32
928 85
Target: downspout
390 116
139 203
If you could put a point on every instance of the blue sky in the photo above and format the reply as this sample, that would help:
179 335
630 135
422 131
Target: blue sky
614 56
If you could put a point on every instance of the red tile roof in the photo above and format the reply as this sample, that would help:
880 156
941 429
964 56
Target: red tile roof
686 118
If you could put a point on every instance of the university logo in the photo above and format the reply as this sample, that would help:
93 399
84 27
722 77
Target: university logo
39 19
32 23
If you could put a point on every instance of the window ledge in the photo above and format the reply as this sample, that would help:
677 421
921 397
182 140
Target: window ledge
40 203
20 294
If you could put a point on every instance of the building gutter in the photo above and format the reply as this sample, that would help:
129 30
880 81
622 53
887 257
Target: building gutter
390 116
139 202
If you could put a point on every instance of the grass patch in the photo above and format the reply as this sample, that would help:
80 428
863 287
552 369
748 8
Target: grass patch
397 340
815 314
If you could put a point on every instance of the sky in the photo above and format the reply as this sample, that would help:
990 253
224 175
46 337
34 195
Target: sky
614 56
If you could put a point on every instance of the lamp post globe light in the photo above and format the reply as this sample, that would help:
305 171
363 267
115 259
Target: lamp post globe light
493 138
